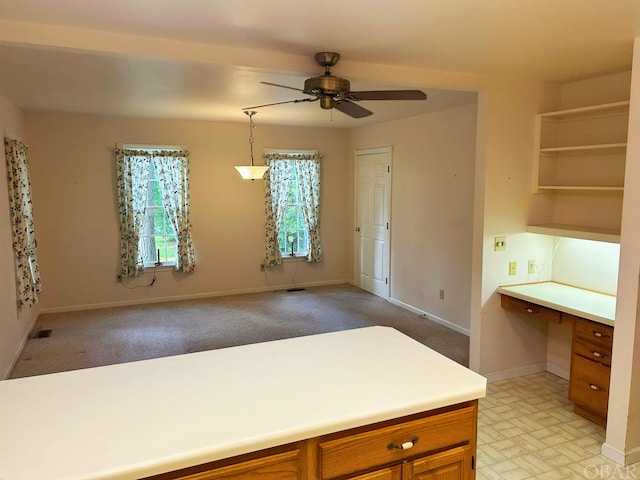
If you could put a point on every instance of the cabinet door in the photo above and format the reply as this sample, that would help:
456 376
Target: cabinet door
453 464
282 466
391 473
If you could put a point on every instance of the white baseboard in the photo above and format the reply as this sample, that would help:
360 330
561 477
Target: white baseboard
620 457
195 296
515 372
433 318
612 453
558 371
22 345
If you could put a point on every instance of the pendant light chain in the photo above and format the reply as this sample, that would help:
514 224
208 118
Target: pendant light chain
251 127
251 172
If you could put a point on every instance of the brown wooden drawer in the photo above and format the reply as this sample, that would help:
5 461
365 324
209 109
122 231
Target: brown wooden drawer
592 351
370 449
281 466
527 308
589 385
596 333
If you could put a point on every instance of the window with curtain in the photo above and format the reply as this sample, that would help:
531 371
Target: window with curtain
28 284
292 205
153 207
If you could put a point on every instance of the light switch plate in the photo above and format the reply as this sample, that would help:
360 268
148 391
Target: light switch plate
499 244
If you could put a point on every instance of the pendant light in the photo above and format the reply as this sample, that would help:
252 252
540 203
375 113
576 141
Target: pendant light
251 172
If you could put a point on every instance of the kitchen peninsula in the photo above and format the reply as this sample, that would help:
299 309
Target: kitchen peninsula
365 401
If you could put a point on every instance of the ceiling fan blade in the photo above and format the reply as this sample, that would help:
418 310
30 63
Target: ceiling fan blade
388 95
283 86
351 109
280 103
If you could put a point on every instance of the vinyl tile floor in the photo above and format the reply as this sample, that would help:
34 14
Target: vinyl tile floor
527 430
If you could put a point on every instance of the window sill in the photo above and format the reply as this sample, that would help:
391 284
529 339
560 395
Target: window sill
286 257
160 268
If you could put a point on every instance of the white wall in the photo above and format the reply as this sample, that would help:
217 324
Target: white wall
505 344
14 324
74 193
431 209
623 422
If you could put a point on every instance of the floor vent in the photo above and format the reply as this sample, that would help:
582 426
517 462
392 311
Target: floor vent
42 334
295 289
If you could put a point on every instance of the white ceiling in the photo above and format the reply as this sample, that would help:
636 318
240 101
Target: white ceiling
204 59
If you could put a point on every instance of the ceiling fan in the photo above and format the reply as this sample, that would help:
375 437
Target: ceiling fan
334 92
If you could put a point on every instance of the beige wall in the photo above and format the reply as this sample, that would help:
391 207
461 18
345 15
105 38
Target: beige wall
14 324
73 177
431 208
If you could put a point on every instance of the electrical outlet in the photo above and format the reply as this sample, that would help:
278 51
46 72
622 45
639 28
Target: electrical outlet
531 266
512 268
441 294
500 244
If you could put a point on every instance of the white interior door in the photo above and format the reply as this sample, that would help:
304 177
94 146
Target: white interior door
373 202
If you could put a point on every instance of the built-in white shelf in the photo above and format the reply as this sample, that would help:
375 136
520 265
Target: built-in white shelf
586 188
579 167
610 235
577 148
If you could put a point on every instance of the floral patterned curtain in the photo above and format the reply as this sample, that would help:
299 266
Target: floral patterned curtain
132 177
24 243
173 173
276 186
277 179
308 174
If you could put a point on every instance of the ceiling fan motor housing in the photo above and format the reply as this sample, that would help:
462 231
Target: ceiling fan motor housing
326 86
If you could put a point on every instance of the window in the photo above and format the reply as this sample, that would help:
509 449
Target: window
292 204
293 238
153 207
158 241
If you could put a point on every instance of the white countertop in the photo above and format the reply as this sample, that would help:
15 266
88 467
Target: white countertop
595 306
136 419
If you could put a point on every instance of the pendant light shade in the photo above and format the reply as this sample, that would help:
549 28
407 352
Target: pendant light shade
251 172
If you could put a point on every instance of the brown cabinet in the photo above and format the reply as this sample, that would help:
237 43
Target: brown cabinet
591 369
452 464
591 350
349 453
434 445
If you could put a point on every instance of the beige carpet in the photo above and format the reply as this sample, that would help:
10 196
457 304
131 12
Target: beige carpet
116 335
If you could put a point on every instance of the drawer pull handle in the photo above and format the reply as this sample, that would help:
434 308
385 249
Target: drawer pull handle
599 334
530 310
403 446
595 387
598 354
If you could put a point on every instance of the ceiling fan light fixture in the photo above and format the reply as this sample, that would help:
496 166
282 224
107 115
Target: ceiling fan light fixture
327 103
251 172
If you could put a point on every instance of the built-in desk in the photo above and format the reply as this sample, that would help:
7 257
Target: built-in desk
588 304
591 315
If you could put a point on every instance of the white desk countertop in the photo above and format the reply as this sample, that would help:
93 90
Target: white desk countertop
137 419
595 306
